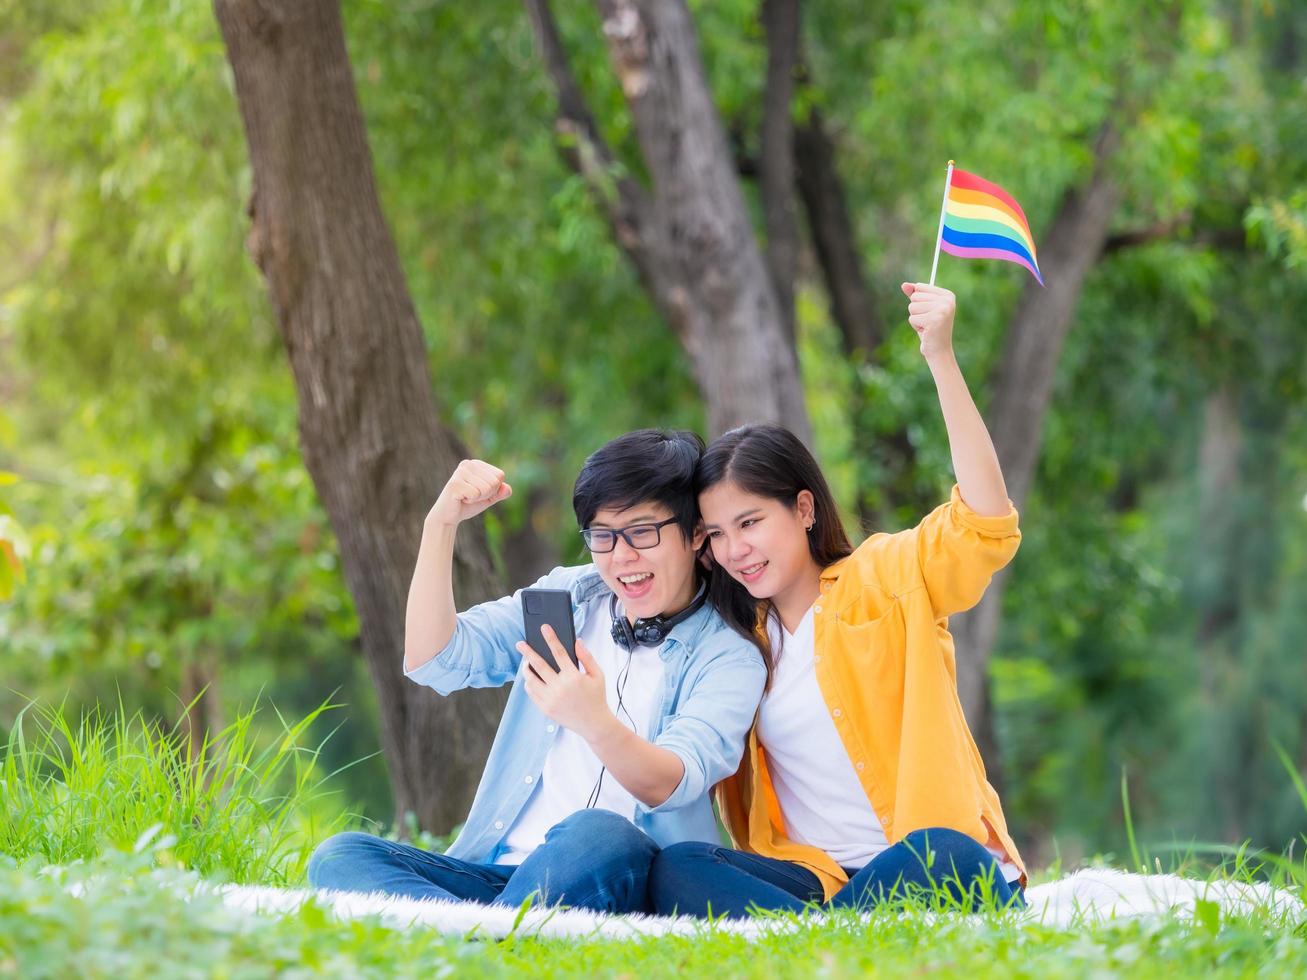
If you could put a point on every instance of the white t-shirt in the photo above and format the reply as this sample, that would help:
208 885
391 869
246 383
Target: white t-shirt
571 769
821 799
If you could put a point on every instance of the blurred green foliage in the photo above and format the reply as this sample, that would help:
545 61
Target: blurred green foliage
173 535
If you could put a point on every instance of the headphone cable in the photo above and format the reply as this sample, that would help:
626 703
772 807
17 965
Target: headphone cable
620 710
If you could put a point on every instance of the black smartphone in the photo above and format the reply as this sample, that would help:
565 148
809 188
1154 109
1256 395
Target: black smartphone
552 606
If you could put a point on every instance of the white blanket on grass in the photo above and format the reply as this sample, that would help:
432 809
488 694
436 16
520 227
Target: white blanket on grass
1091 895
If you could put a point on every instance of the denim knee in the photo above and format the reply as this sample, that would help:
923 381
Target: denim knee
688 852
957 860
335 853
676 861
944 840
675 866
603 828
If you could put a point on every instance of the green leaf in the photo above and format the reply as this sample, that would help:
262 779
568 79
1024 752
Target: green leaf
1207 914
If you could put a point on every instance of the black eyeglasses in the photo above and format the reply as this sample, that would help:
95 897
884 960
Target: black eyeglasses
604 539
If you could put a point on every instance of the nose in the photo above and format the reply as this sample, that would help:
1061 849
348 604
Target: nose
622 550
737 548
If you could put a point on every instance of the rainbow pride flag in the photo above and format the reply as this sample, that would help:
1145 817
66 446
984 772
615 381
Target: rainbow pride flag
980 220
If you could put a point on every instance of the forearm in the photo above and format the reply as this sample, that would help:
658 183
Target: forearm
648 772
431 615
975 462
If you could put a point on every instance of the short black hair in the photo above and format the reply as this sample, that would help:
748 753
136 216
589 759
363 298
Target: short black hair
656 465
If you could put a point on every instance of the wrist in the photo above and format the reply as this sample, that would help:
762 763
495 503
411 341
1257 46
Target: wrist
438 520
943 360
606 732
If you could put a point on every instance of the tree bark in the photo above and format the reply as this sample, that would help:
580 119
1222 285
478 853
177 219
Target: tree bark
371 437
1216 575
853 307
1022 391
689 234
780 21
527 551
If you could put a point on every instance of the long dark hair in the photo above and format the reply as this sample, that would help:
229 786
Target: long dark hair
768 461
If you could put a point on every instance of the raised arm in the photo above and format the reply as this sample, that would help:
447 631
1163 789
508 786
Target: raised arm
975 463
431 615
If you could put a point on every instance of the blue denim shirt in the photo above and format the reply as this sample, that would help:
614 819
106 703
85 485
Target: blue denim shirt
712 681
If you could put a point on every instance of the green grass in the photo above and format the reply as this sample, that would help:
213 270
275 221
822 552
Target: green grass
241 807
109 822
131 921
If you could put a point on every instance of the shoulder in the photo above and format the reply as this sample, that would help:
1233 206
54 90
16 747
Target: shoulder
583 581
882 561
953 531
714 643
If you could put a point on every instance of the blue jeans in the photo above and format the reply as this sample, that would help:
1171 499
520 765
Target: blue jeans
594 860
702 879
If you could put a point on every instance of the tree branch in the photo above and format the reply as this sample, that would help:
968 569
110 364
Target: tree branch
625 203
1023 384
1232 238
833 239
1151 233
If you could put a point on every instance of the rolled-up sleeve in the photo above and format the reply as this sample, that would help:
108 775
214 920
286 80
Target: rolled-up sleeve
708 733
959 552
483 650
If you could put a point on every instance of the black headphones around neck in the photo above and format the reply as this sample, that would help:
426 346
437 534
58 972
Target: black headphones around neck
652 631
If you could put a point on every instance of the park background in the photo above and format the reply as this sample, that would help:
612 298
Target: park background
588 241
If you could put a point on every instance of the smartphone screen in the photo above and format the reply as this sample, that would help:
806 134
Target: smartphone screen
552 606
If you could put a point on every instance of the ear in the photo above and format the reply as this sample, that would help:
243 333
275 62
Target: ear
806 505
699 537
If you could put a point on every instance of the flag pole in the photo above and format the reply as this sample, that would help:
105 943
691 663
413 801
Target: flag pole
939 235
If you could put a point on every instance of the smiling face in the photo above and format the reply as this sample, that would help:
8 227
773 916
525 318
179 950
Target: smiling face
648 581
762 543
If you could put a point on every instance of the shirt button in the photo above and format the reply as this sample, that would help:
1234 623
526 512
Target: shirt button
816 608
837 712
860 767
550 728
816 659
529 779
499 825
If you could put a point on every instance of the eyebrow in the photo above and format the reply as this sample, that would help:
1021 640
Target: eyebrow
645 518
738 517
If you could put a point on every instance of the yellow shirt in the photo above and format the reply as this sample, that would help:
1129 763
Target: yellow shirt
885 666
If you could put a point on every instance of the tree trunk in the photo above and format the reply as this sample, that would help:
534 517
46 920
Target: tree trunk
1022 391
368 425
689 235
887 457
528 552
1216 572
1219 457
780 22
852 306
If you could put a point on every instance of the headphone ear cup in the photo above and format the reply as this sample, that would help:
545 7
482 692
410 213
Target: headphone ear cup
649 632
653 631
621 631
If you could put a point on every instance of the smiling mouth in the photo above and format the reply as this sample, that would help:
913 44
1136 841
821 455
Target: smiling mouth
636 584
752 571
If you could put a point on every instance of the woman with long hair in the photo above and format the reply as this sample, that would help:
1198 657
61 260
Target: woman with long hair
861 781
